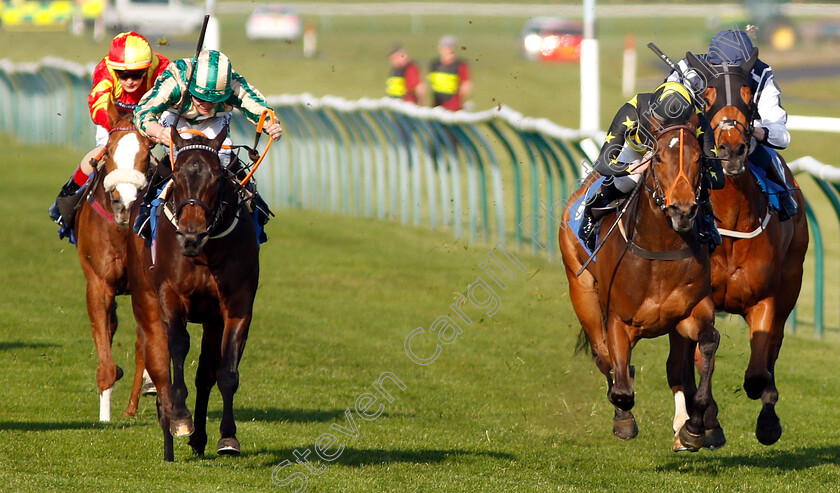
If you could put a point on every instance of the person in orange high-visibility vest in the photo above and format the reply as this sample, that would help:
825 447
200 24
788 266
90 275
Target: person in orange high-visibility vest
119 79
404 82
449 77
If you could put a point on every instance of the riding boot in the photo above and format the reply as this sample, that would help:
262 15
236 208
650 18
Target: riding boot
68 190
142 224
606 194
707 231
772 167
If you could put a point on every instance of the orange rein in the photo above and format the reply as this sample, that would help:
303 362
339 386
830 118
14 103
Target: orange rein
681 175
267 112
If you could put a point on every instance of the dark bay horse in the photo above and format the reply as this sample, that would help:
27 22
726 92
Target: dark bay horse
652 280
757 270
202 268
102 236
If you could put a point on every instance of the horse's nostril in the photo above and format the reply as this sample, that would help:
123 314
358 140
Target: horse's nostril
741 150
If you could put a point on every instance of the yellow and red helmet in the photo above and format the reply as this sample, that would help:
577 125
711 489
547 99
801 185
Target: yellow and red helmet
129 51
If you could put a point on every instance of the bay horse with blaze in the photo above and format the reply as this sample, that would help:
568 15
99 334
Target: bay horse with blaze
757 269
203 267
102 236
649 281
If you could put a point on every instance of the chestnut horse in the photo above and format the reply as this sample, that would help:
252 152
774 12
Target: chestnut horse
203 267
757 270
102 234
652 280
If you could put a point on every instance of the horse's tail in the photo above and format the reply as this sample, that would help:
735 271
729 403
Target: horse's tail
583 343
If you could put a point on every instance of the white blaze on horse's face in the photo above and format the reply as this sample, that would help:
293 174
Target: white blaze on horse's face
674 141
124 157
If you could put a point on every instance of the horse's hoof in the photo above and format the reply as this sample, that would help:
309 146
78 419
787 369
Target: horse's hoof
768 429
120 374
148 388
228 446
715 438
625 429
181 427
768 435
690 441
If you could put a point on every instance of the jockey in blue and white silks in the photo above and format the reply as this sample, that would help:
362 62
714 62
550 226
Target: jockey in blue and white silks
733 47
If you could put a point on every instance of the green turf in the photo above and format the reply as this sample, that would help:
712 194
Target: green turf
506 407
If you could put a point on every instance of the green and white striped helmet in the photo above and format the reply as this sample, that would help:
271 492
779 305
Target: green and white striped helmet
212 77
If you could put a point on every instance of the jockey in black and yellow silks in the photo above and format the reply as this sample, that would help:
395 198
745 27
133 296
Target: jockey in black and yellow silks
631 137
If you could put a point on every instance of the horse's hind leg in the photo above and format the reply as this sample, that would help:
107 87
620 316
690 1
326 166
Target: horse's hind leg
134 398
205 379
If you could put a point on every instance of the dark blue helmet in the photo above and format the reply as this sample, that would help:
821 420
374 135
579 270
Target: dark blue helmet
731 47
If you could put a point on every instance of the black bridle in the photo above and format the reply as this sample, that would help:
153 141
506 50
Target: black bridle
215 215
729 95
659 197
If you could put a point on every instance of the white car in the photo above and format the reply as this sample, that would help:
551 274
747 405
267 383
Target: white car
154 17
274 21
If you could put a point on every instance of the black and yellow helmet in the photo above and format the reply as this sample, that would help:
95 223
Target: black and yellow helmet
671 103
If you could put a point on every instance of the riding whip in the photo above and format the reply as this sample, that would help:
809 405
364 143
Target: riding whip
198 48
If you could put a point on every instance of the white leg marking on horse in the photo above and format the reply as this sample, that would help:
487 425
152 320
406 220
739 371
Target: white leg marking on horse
105 405
680 411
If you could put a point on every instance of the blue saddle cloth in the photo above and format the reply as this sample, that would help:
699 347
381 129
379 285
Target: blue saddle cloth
771 189
576 212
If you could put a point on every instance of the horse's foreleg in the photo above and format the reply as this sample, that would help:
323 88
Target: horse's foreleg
692 435
181 423
768 427
760 318
681 382
233 344
621 393
205 379
102 313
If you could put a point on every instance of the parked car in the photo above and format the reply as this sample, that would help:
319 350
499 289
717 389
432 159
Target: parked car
551 39
154 17
274 21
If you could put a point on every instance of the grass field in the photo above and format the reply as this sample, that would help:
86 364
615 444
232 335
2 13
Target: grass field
506 407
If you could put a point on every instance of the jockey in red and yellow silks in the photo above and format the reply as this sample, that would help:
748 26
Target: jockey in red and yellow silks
121 79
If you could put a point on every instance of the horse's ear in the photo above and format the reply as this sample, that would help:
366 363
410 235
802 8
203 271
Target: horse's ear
700 66
219 140
177 141
709 95
750 63
113 115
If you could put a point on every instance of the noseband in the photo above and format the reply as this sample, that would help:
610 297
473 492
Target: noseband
659 198
213 215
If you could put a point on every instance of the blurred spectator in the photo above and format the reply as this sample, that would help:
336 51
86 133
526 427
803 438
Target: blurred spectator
404 82
449 77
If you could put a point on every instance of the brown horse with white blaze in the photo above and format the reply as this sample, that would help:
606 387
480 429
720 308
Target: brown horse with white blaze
102 236
651 280
757 269
205 270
